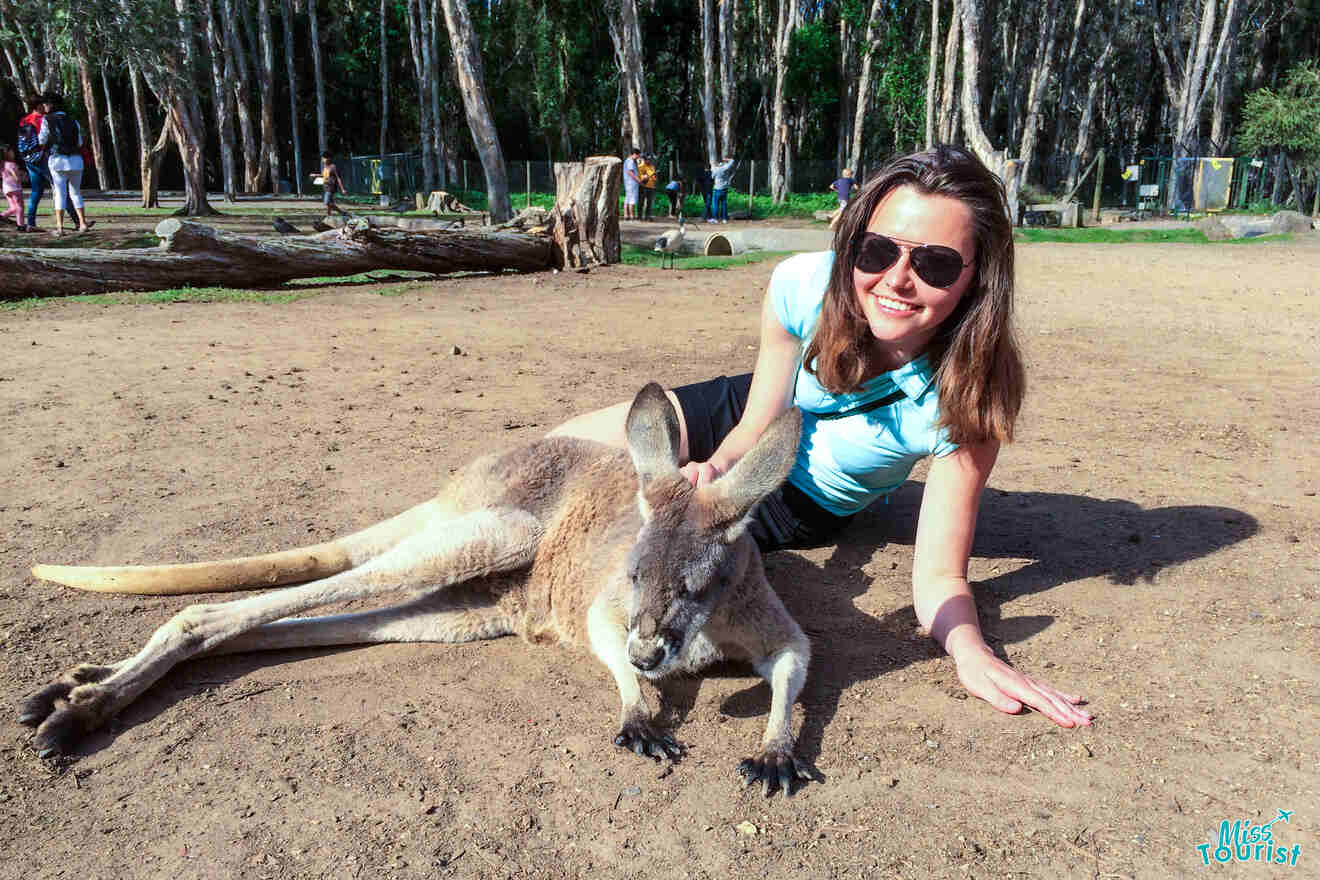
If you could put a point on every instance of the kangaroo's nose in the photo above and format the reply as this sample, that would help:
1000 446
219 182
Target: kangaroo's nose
649 661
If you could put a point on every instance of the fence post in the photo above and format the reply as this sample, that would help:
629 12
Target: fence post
1099 179
751 185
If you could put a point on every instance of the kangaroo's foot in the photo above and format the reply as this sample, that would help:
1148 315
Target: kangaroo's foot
67 709
775 768
642 737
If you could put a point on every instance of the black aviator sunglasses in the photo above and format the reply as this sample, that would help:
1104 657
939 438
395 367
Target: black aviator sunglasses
935 264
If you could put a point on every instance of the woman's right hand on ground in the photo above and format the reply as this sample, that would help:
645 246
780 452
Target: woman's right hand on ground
701 473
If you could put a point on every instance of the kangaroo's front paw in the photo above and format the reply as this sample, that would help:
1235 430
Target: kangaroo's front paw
644 739
774 768
66 710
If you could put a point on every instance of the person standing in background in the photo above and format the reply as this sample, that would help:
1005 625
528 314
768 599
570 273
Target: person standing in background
631 184
331 183
842 187
33 154
723 176
61 135
13 188
646 174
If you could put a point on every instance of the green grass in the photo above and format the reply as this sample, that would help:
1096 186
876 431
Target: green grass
1111 236
1095 235
394 283
636 255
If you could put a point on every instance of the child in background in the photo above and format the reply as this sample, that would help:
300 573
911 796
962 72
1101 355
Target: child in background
13 188
674 189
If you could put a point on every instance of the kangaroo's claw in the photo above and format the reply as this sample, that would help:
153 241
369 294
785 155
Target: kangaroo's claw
775 770
644 739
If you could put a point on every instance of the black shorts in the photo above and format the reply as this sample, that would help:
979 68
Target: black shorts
786 518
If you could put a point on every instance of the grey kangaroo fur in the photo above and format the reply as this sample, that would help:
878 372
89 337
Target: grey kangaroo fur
556 541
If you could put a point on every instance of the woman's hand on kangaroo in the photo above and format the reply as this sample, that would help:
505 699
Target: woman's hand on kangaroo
700 473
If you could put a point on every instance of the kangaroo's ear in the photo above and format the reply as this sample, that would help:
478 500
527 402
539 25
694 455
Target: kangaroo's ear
653 433
758 473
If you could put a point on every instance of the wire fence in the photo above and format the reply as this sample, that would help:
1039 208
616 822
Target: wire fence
1155 184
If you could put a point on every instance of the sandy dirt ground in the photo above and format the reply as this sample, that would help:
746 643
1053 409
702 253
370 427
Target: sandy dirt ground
1150 541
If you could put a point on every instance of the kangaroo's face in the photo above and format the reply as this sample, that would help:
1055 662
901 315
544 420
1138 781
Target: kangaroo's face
682 565
693 544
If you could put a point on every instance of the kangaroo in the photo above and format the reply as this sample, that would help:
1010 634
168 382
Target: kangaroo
558 540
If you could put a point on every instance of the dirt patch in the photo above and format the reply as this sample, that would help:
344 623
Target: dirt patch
1150 542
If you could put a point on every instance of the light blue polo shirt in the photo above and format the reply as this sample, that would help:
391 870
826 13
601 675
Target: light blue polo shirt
846 463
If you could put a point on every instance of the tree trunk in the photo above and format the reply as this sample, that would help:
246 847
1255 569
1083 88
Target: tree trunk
1276 194
728 104
270 145
785 25
1040 78
1065 79
931 71
438 145
420 44
151 159
286 19
948 107
585 220
93 128
199 255
708 74
471 82
222 100
314 24
113 123
871 46
185 109
977 140
1189 84
143 134
1084 126
384 77
1220 126
242 84
627 37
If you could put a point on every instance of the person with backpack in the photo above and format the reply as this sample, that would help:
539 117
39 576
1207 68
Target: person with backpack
62 136
32 154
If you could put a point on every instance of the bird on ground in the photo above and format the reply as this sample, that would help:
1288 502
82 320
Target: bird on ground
284 227
669 242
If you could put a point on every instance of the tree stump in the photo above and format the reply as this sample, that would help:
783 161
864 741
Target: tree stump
585 220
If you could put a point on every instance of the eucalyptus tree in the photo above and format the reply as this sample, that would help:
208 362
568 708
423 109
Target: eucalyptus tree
222 97
1192 45
286 20
628 52
471 79
318 76
113 124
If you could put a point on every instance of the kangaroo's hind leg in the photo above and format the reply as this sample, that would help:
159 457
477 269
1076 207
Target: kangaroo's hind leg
453 616
442 553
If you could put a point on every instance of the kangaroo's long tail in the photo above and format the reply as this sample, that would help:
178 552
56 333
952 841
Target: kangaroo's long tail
248 572
245 573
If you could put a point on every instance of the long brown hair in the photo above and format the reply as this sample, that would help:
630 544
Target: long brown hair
975 355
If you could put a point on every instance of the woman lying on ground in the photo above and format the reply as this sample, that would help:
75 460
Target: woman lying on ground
896 345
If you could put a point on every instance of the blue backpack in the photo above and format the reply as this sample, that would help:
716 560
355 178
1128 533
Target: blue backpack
28 147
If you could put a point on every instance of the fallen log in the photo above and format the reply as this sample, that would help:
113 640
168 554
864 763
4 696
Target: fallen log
581 232
191 254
